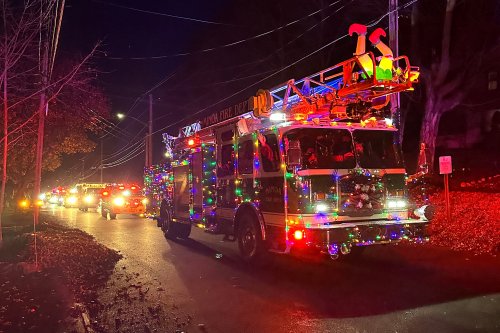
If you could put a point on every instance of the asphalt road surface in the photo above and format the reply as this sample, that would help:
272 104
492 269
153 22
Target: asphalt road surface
205 287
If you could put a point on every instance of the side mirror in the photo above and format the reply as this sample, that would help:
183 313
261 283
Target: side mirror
294 154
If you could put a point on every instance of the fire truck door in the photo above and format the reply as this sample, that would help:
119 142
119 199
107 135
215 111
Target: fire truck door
181 192
225 167
196 183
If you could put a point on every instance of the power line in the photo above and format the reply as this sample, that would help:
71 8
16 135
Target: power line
125 157
112 166
121 151
161 14
216 48
371 24
261 60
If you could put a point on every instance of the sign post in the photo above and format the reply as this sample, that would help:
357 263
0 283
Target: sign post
445 169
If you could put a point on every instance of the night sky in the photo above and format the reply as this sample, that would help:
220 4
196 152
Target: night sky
187 42
200 81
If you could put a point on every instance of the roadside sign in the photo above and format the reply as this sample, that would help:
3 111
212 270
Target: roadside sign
445 169
444 165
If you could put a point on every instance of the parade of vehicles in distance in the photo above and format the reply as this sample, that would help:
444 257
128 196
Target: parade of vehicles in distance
312 165
108 199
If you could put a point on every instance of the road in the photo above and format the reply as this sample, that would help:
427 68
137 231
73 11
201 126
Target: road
205 287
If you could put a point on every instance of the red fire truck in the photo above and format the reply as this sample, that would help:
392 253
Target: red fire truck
122 199
311 165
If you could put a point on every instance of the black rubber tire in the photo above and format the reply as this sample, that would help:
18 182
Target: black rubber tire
112 216
183 230
249 236
166 223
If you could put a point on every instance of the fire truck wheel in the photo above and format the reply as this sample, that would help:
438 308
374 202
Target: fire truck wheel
249 238
183 230
168 227
112 216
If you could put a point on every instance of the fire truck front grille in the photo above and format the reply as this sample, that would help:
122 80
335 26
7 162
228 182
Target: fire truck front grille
361 195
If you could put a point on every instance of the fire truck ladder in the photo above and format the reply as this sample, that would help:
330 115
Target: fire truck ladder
331 90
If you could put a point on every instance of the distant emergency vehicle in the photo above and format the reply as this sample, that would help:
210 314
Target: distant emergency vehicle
122 199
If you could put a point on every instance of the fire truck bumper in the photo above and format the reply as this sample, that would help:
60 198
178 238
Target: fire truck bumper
340 238
132 211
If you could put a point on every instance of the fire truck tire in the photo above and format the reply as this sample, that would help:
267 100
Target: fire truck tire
249 237
169 229
167 225
183 230
112 216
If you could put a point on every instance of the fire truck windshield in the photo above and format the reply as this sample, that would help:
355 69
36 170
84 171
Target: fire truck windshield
377 149
335 148
324 148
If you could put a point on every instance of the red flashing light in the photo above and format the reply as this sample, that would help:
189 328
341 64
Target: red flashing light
121 187
191 142
133 188
105 193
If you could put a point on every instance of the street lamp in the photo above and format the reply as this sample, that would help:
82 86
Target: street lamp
122 116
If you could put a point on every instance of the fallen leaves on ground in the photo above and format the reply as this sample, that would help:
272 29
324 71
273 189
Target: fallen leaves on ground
475 214
72 267
84 263
474 225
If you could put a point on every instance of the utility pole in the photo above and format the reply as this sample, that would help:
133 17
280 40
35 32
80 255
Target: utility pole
394 45
149 143
83 169
5 150
42 110
101 166
146 143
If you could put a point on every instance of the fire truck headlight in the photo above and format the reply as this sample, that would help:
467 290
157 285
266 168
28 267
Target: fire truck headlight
88 199
321 207
42 196
396 204
119 201
72 200
126 193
